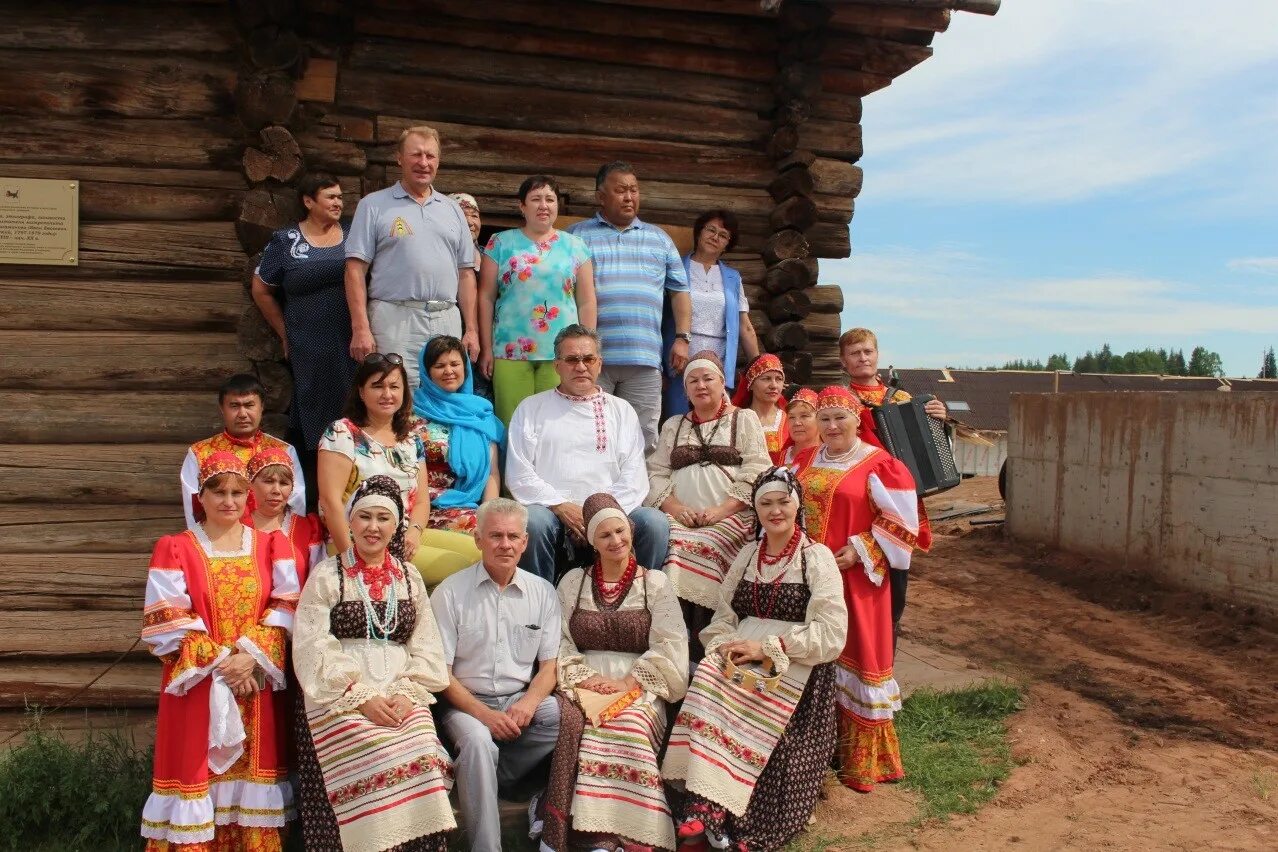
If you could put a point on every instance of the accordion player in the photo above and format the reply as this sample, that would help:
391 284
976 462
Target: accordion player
922 442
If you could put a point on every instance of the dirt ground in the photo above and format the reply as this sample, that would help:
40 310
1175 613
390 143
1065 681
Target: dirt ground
1151 716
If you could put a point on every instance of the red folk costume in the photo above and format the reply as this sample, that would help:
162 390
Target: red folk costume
791 456
224 442
777 433
874 395
305 533
219 779
864 498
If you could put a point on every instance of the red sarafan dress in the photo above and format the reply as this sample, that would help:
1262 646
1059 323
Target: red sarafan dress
219 783
865 499
868 431
307 536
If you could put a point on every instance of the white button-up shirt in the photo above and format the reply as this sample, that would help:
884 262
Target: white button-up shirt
493 638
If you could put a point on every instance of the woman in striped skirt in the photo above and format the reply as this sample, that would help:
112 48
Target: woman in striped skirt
368 657
753 741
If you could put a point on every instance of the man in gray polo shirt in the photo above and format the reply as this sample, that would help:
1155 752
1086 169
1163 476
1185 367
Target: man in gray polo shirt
419 247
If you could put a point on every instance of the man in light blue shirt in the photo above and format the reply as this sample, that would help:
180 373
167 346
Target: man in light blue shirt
419 248
636 265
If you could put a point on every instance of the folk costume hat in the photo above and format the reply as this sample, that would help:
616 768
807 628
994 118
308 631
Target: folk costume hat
223 461
779 479
806 396
382 491
837 396
765 363
599 508
268 457
706 358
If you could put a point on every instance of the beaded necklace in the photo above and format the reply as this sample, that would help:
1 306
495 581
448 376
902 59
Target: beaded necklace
611 599
775 583
378 584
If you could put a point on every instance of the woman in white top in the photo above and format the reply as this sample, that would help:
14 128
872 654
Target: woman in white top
720 310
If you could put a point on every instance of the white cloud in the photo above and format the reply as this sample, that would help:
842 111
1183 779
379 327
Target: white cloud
1264 265
1060 100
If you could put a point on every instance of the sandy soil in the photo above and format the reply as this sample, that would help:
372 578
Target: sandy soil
1151 719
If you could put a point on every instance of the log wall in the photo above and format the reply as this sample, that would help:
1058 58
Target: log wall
187 123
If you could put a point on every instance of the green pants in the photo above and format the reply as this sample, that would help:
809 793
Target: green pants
515 381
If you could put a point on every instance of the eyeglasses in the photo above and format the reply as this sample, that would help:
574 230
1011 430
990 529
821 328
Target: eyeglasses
574 360
372 359
718 233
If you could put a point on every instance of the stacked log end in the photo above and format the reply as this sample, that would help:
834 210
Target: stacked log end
266 104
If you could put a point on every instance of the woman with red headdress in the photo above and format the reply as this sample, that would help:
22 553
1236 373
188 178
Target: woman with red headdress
805 434
760 391
271 474
220 599
860 501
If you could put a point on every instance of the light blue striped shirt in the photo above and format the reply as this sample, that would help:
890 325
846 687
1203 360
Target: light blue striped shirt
633 269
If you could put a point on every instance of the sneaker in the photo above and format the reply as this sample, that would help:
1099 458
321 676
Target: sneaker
535 822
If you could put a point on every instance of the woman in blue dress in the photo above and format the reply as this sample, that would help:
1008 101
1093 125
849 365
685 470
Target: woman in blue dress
299 288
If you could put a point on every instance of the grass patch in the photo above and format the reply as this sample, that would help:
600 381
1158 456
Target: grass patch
954 745
85 795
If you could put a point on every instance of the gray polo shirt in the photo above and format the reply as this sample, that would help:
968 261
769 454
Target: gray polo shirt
414 249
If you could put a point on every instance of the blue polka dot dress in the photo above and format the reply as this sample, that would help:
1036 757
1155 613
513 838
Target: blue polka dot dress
308 280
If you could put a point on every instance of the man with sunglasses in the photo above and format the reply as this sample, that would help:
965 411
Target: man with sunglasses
568 443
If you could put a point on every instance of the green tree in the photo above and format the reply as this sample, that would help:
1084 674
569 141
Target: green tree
1058 362
1268 367
1176 365
1086 363
1203 362
1105 360
1023 364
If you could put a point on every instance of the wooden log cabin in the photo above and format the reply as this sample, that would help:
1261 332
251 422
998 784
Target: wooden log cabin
186 121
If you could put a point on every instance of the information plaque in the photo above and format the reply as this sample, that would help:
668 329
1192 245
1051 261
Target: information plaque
39 221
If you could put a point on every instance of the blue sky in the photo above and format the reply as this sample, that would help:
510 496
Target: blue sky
1069 173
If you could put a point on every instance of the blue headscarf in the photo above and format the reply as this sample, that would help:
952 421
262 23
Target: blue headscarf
473 428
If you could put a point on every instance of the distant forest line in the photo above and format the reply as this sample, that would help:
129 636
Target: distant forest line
1156 362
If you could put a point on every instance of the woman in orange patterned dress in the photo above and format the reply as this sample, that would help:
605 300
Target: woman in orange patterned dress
271 475
861 503
805 435
760 391
220 600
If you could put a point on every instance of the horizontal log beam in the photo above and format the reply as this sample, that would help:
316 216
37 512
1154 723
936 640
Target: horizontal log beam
435 99
43 83
98 528
76 581
120 25
540 41
873 55
743 8
838 140
118 360
135 724
152 143
86 633
162 246
473 54
110 193
826 299
120 305
126 417
129 683
525 152
854 15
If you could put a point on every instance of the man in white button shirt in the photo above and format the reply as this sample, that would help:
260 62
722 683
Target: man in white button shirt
500 627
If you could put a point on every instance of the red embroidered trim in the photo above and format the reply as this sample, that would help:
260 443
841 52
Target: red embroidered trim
601 424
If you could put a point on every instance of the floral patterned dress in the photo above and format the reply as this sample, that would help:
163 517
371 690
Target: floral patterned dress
399 461
536 291
440 478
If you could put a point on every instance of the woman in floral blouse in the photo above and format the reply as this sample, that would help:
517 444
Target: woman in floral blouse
534 281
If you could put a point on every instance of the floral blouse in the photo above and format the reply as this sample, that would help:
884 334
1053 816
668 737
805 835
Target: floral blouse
440 477
536 291
399 461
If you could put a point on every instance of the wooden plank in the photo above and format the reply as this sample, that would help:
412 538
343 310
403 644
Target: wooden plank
826 299
109 193
101 528
74 581
40 83
875 55
120 305
836 106
127 417
707 28
129 683
851 82
836 177
880 15
319 82
162 246
540 41
557 112
472 62
135 724
525 152
156 143
121 25
86 633
118 360
91 473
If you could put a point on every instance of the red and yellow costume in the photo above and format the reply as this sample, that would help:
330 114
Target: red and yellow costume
874 395
219 779
305 533
776 434
791 456
243 449
866 499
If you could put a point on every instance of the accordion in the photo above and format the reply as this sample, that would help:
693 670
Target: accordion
920 441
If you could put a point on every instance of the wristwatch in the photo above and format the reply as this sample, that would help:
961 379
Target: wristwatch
684 336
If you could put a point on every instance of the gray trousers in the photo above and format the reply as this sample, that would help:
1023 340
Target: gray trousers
641 387
481 763
404 328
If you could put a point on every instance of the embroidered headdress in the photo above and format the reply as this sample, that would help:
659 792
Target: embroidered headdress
381 490
223 461
268 457
778 479
765 363
807 396
598 508
837 396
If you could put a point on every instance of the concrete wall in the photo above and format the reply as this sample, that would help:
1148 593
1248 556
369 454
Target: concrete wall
1182 484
